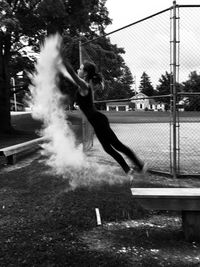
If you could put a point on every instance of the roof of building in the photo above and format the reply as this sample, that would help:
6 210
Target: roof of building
139 95
118 103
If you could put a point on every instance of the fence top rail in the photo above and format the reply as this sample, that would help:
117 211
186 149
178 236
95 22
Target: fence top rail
146 97
129 25
138 21
188 5
188 93
113 100
132 98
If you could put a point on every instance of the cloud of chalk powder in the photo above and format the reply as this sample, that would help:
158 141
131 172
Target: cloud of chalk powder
47 106
95 175
60 150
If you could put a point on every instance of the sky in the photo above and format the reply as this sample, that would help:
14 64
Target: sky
147 44
124 12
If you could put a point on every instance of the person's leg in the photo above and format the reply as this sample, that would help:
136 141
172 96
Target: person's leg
110 142
101 127
118 145
113 153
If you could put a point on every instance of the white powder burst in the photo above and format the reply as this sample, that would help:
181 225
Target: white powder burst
60 150
47 106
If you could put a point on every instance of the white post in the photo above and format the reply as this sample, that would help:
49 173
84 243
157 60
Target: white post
80 54
98 217
84 121
15 98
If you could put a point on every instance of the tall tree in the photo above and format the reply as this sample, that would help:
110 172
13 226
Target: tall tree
164 84
164 88
192 85
7 25
121 87
118 79
145 86
127 81
117 76
34 19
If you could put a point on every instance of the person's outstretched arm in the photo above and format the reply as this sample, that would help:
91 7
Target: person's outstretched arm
83 87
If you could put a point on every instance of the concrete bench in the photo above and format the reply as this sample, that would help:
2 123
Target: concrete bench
186 200
11 152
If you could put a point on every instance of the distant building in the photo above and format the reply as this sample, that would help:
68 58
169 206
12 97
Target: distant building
117 106
140 102
182 103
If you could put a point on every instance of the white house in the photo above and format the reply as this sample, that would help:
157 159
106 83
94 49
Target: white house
117 106
140 103
143 103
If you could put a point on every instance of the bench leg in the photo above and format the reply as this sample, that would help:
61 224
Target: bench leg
10 160
191 225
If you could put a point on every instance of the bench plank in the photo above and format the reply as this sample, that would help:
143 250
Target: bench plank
11 151
7 151
168 198
186 200
165 192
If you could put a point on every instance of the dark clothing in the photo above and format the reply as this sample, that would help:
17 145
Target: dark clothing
105 134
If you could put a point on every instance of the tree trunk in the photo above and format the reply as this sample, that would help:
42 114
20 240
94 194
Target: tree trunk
5 118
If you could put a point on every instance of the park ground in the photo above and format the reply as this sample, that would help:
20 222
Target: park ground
44 223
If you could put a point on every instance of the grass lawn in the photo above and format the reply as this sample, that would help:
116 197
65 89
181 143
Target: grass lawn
43 223
28 129
25 130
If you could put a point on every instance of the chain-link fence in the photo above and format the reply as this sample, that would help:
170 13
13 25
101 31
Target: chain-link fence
166 42
188 111
188 134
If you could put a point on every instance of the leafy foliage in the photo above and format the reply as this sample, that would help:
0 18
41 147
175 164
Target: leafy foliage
117 76
192 85
25 23
164 89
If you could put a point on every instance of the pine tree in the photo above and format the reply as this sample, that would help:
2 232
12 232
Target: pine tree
192 85
164 89
145 85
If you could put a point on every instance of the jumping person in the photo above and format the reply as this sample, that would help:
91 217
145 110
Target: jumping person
86 81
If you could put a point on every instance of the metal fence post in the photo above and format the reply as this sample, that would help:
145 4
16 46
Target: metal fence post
174 64
83 118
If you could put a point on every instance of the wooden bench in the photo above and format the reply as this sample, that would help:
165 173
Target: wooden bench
11 152
186 200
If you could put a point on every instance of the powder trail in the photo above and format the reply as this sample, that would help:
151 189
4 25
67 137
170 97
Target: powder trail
48 106
60 150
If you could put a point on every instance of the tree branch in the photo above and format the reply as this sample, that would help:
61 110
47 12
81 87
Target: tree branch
16 2
35 4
